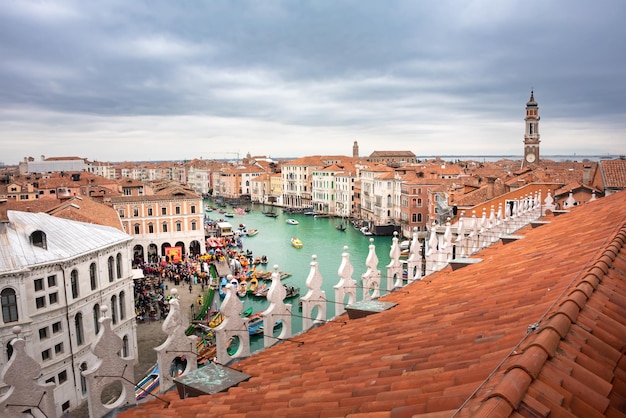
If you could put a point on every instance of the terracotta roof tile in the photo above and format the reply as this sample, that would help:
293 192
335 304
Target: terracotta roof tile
536 329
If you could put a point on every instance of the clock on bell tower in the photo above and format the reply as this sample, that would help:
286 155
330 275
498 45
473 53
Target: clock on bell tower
531 135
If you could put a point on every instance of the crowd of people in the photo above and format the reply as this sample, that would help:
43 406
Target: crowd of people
151 294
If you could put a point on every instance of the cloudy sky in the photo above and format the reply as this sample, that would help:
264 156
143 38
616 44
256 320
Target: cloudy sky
163 80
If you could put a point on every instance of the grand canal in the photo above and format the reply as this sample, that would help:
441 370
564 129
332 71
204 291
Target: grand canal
321 238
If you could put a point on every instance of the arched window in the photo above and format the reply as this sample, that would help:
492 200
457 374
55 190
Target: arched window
419 217
164 226
111 265
74 281
135 211
179 226
414 217
114 309
151 228
9 306
96 317
194 226
419 203
136 229
118 259
125 346
38 239
78 327
93 278
177 210
122 305
149 210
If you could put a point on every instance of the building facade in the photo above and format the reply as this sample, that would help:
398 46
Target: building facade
172 217
55 276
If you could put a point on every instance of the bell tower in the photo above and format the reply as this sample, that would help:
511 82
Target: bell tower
355 149
531 136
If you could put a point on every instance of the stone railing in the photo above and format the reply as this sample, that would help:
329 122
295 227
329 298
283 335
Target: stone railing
445 245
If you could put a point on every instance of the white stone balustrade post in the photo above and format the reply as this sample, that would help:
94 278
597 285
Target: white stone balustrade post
432 250
414 262
24 391
233 327
483 233
315 298
277 311
108 369
472 238
446 246
346 287
177 344
394 271
548 204
460 242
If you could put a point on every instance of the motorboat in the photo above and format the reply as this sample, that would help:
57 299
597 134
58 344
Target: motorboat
296 242
292 221
148 384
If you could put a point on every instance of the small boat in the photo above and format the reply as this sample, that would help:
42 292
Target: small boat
322 215
292 221
252 232
261 290
292 291
309 213
216 319
271 214
247 312
222 290
341 227
255 326
229 214
148 384
296 242
242 290
252 285
263 259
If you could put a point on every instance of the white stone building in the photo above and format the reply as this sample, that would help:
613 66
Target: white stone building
55 274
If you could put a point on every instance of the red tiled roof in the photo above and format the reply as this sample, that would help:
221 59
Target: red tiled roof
538 328
614 173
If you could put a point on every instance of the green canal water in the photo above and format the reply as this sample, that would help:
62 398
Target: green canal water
321 238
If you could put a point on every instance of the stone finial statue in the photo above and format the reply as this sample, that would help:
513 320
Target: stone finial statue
232 326
446 246
25 395
394 270
277 311
460 241
548 204
414 262
570 202
346 285
433 250
314 298
108 369
177 345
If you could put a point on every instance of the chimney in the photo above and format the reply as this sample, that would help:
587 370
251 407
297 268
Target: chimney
491 181
4 216
587 174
